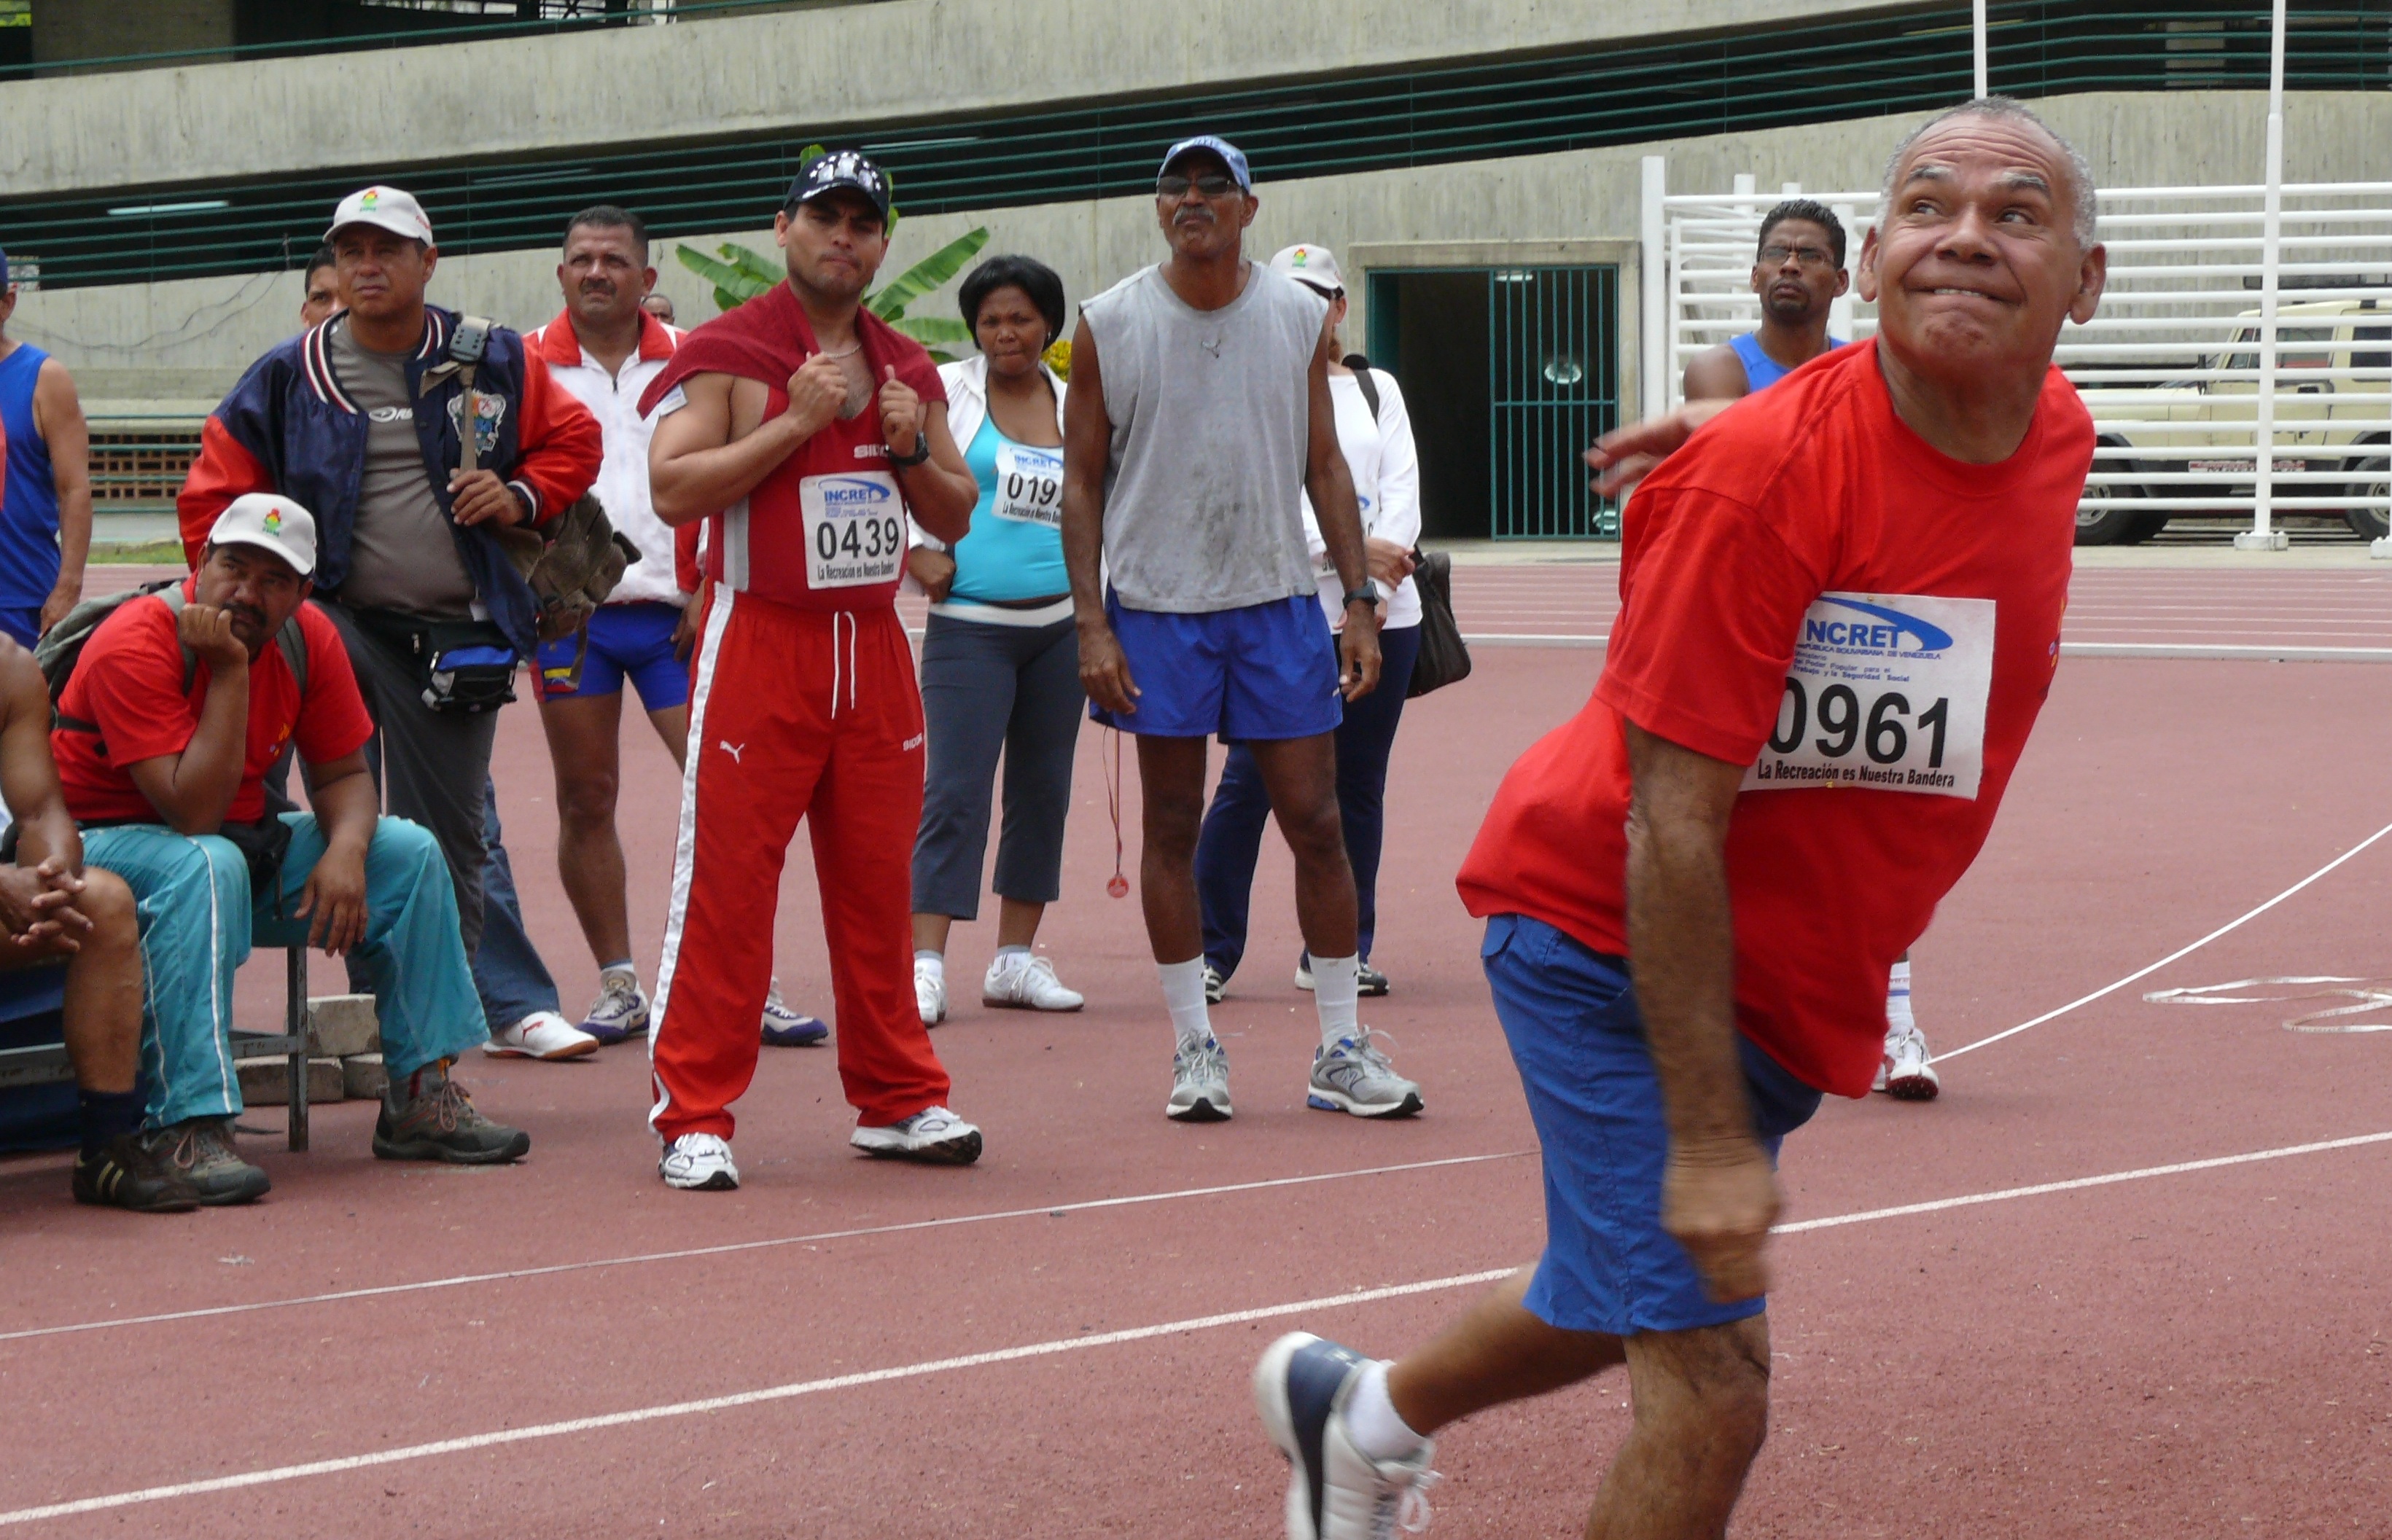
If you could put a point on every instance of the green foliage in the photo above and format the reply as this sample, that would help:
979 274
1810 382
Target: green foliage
932 272
741 275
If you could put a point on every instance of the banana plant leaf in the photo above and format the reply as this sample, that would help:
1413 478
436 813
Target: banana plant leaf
934 330
931 272
734 286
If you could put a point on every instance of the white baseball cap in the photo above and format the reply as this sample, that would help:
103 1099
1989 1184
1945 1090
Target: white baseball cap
386 208
269 522
1314 266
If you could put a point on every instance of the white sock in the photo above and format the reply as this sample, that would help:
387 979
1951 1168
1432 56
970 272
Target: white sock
1370 1418
1334 993
1897 1001
933 962
1005 955
1183 996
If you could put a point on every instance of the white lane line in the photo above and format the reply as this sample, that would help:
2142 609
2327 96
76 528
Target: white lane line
1064 1344
728 1247
2231 652
2232 924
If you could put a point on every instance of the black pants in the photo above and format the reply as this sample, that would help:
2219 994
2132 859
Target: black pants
1232 837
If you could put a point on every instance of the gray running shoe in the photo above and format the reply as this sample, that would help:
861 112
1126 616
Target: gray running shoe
1354 1076
436 1120
200 1151
1199 1083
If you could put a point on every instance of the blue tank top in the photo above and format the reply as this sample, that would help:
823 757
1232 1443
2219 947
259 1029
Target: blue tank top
28 505
1015 550
1761 370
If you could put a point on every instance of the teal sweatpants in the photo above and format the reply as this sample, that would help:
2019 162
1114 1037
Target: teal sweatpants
191 894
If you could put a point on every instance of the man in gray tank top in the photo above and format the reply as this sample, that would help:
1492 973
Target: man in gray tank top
1199 414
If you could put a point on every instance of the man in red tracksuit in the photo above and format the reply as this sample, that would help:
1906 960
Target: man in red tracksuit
803 429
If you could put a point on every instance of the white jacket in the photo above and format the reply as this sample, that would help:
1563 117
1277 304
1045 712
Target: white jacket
1386 465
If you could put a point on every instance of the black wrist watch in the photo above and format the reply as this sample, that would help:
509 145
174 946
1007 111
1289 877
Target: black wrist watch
921 452
1367 594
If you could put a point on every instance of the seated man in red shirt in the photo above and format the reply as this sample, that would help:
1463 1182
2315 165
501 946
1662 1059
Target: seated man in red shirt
1840 615
165 771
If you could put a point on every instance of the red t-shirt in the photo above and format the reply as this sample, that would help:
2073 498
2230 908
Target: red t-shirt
129 682
1810 588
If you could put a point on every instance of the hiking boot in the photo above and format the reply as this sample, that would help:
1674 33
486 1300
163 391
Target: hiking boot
428 1117
201 1149
126 1172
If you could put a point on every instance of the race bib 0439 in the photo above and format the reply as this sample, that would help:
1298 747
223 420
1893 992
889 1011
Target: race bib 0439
855 528
1029 485
1887 691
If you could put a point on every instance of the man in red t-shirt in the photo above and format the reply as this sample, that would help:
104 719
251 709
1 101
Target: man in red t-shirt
803 429
1840 608
178 705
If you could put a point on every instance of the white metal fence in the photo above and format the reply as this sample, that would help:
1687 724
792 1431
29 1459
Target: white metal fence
2187 369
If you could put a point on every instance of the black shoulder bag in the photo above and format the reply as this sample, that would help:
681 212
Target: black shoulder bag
1444 657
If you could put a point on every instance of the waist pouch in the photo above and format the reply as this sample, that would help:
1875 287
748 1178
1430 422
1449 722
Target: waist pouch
460 665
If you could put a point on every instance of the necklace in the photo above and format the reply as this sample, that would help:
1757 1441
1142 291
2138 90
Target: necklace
850 353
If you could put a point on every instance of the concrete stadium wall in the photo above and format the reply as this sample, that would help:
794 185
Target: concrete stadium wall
728 75
188 340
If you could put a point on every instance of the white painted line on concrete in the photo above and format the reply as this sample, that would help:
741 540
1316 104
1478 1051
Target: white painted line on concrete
729 1248
2226 652
2235 923
1060 1345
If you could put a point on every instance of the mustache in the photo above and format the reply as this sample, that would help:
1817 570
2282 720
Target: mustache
245 612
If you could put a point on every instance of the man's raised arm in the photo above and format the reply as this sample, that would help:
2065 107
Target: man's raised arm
699 463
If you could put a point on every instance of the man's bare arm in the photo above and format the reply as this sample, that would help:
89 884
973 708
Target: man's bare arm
193 790
1719 1196
699 463
57 412
1716 374
1088 450
29 778
1626 455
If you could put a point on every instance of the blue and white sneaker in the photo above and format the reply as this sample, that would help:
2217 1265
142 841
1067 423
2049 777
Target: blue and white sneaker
1334 1492
621 1010
1354 1076
784 1028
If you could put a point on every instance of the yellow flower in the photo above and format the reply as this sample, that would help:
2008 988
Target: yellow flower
1059 357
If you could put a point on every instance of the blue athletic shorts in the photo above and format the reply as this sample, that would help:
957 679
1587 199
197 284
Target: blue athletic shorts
633 639
1261 672
25 625
1578 1039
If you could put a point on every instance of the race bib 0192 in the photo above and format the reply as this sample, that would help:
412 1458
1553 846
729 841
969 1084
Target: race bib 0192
855 528
1886 692
1029 485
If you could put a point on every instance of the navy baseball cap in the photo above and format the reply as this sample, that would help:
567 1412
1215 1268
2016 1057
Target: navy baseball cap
1234 158
835 169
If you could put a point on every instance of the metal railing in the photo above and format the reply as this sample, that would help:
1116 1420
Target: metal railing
2180 365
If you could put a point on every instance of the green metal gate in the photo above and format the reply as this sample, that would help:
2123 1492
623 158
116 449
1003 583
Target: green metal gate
1552 387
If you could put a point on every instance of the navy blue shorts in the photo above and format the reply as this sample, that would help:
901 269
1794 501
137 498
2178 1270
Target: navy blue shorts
636 640
25 625
1262 672
1576 1034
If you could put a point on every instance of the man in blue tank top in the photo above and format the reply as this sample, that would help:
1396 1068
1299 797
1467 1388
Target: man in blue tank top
1798 273
46 506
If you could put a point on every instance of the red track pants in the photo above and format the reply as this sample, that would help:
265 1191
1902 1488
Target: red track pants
794 714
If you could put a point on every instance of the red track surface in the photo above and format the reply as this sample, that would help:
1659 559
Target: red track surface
2199 1353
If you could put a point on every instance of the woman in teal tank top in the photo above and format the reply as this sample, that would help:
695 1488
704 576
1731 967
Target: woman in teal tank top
1000 659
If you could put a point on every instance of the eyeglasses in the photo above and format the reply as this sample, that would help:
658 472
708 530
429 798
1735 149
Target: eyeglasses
1211 185
1809 256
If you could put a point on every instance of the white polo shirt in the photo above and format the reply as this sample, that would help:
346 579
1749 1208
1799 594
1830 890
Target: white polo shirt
622 484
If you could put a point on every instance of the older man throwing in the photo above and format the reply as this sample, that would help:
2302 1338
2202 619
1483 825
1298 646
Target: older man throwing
1840 610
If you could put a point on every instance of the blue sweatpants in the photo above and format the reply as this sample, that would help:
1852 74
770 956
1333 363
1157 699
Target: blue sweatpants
192 902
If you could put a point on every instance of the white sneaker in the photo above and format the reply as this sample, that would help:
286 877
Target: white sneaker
1334 1491
699 1163
541 1035
1024 981
933 1135
1905 1072
1199 1083
931 992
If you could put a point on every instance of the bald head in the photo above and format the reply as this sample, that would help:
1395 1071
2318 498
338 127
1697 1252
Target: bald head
2074 172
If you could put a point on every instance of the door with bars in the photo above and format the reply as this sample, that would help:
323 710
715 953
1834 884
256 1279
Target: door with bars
1552 387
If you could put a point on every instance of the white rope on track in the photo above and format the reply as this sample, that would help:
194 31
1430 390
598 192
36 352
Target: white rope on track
2229 926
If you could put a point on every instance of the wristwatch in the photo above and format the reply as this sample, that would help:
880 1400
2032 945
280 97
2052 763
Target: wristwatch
921 452
1366 594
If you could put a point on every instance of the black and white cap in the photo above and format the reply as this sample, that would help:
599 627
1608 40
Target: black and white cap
833 170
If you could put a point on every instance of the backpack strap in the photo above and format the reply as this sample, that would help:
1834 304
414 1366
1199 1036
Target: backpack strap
291 639
1360 365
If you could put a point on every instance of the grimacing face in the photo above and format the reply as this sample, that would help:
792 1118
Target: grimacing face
1974 263
1010 330
832 244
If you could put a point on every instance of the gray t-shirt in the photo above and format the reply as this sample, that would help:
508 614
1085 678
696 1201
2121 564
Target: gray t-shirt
402 553
1211 420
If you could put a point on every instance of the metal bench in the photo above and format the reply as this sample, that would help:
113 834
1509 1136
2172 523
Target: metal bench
33 992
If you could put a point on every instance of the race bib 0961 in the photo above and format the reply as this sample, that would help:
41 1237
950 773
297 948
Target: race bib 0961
855 528
1886 692
1029 485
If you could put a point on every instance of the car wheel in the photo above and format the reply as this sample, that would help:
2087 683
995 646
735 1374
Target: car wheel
2373 479
2117 522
